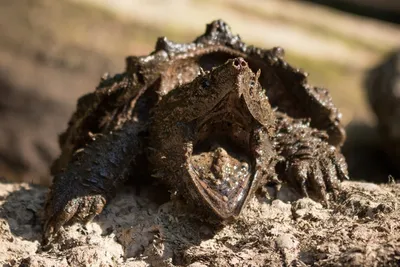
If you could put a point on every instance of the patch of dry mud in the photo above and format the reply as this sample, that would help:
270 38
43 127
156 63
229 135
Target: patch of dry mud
142 229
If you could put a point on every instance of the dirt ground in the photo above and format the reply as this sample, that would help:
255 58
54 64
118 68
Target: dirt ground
147 229
52 52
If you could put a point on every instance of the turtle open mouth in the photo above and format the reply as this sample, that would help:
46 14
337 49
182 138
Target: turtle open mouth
211 136
223 165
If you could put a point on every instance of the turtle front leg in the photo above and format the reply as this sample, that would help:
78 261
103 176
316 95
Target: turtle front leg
80 192
309 163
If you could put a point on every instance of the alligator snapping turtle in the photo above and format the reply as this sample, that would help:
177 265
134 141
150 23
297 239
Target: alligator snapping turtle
383 91
244 114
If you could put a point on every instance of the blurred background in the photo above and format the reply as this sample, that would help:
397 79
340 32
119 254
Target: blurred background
52 52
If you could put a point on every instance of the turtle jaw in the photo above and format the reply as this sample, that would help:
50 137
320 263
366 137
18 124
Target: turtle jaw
222 172
222 163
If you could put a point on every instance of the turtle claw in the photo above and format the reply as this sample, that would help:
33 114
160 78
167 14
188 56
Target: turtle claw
77 209
318 174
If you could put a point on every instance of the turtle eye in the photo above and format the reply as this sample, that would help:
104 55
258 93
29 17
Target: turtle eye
205 83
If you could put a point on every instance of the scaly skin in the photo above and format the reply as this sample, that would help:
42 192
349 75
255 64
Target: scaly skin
91 178
214 104
193 115
308 162
122 105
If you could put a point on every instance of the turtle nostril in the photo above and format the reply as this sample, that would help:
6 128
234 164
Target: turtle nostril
236 63
239 63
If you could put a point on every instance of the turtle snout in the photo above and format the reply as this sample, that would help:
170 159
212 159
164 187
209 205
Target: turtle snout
239 63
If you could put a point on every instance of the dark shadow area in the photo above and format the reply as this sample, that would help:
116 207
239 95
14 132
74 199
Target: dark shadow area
22 210
381 90
383 13
365 157
29 126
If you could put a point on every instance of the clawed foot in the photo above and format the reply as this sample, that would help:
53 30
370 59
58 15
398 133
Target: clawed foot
309 163
63 208
317 176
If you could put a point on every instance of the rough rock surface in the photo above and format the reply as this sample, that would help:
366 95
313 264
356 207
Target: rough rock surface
144 228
